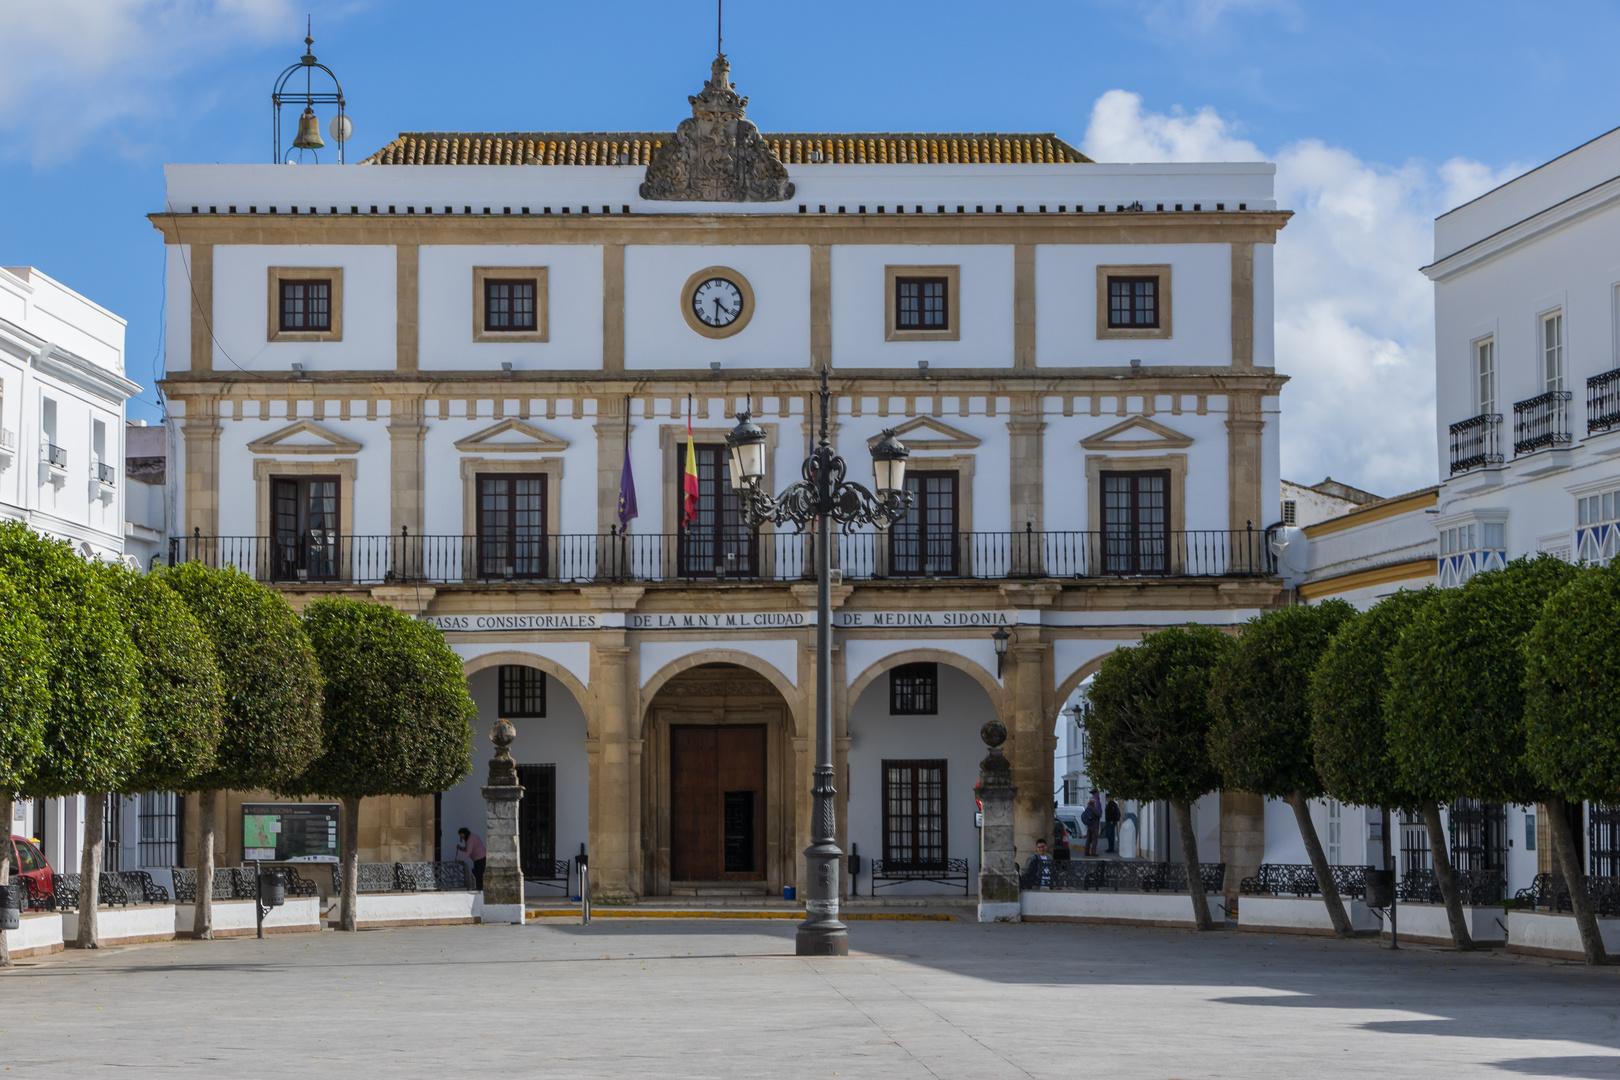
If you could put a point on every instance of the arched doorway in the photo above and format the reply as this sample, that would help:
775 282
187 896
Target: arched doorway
914 756
718 778
550 751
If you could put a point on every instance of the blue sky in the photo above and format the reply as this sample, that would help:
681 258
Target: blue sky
1380 115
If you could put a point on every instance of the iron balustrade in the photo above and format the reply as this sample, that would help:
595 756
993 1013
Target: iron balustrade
8 439
658 557
105 473
1603 402
1541 421
1476 442
56 455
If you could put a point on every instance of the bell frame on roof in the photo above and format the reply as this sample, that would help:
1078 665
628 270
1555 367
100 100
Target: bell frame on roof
308 96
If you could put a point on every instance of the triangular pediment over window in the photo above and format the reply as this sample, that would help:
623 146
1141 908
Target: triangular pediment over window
513 436
304 437
1137 433
926 433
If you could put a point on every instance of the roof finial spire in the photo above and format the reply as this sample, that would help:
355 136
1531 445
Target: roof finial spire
719 26
309 33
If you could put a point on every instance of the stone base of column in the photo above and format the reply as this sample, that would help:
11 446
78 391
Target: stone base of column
503 874
1001 912
502 913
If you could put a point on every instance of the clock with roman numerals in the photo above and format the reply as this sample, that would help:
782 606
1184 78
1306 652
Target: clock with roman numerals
717 302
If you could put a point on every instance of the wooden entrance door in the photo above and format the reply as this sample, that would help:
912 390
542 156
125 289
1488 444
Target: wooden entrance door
717 802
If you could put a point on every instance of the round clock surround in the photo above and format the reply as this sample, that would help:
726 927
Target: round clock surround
720 288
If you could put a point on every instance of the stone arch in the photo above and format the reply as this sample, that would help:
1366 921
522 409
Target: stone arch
1072 683
992 687
527 659
763 668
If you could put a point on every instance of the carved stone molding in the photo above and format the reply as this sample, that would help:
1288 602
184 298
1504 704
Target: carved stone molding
717 155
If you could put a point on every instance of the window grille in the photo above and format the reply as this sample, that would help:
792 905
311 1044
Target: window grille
1478 835
159 821
1414 843
1603 831
914 814
920 304
509 305
523 691
914 690
1133 303
306 305
112 833
1290 512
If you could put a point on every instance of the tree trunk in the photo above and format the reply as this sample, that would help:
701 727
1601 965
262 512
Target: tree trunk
1445 878
1319 863
1189 859
6 810
202 924
95 817
1570 865
351 864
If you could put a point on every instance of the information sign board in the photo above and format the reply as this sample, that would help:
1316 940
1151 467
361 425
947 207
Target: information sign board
290 832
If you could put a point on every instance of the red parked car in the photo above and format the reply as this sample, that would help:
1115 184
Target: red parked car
29 862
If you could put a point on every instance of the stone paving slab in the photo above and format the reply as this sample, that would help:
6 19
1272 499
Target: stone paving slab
726 998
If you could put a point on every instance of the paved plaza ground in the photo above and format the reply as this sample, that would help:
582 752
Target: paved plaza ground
656 998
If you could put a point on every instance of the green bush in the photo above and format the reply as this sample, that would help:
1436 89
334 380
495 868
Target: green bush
24 687
1260 735
1572 688
182 691
1147 729
1456 686
1348 731
271 680
93 736
398 718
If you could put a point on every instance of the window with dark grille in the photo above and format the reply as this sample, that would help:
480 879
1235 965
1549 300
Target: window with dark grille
718 543
923 542
914 814
1290 511
921 303
306 305
1603 830
1136 522
1478 835
304 525
914 690
112 833
160 820
1133 303
537 820
523 691
511 525
509 305
1414 843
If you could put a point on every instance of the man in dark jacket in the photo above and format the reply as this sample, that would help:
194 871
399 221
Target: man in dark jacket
1038 871
1111 825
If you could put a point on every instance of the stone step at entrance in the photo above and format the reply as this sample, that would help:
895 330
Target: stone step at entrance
751 891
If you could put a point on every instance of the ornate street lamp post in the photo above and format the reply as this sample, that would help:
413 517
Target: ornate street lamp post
821 498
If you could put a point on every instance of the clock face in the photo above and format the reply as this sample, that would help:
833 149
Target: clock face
717 302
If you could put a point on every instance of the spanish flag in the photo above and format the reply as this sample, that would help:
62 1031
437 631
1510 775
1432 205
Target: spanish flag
690 480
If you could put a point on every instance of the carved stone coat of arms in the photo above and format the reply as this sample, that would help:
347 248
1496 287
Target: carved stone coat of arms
717 155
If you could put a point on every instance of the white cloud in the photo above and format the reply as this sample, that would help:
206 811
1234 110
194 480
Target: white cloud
75 68
1354 317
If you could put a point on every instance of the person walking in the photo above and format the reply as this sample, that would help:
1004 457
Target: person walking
472 848
1111 825
1038 871
1091 818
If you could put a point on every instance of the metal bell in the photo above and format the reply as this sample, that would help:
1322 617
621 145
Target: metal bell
309 131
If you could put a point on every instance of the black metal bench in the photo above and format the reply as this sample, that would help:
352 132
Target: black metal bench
405 877
950 872
295 883
39 898
1549 892
1120 875
231 883
139 883
1299 879
554 874
1476 888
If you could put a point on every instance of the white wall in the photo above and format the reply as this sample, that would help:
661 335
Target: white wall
1200 305
446 312
656 334
241 309
986 306
558 739
953 735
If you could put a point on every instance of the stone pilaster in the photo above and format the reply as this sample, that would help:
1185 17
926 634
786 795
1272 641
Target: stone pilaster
615 865
1031 754
1026 480
1245 429
202 307
405 307
406 435
201 433
1023 309
611 435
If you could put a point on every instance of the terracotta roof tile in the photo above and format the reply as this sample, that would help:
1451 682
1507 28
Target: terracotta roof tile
605 148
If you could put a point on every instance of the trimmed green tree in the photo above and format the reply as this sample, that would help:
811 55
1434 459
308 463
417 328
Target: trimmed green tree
1148 727
271 713
397 721
1455 703
1260 738
1349 731
93 732
1572 718
24 706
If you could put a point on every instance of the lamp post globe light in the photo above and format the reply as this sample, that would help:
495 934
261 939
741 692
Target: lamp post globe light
822 497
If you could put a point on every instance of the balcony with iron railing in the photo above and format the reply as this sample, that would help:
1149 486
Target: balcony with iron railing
1541 422
56 456
684 558
105 473
1476 443
8 440
1603 402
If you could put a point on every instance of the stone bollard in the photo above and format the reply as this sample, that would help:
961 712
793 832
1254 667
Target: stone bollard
503 873
998 861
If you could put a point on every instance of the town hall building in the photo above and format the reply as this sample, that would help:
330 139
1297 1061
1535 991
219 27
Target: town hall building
427 378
